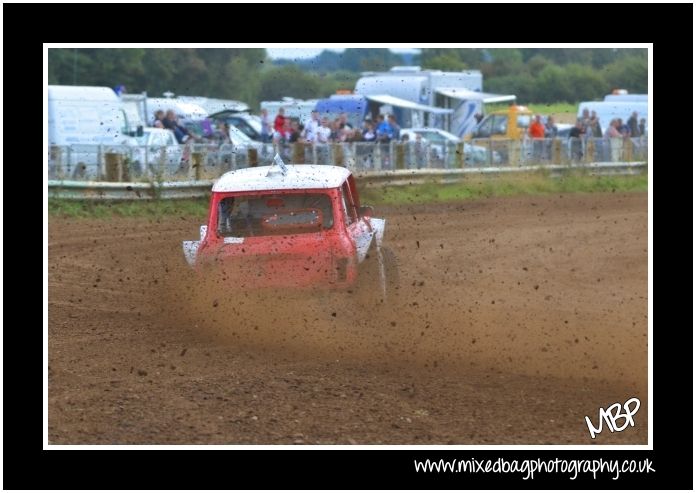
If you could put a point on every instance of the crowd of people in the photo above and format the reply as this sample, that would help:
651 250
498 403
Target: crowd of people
323 130
588 126
284 130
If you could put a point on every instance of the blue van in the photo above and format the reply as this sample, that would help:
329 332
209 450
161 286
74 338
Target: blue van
355 107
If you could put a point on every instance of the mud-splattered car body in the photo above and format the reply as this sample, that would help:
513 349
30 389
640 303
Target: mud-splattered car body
288 226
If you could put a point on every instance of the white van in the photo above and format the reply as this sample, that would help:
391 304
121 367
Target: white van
84 115
84 123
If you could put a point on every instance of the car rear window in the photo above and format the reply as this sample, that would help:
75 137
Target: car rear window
269 215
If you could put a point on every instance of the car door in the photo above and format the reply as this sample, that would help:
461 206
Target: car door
358 227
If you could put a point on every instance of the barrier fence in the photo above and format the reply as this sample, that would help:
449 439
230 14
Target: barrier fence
203 161
93 190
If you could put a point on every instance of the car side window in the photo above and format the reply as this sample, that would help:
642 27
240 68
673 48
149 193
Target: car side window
159 139
485 129
499 125
348 204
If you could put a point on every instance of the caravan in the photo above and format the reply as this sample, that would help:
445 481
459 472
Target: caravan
453 98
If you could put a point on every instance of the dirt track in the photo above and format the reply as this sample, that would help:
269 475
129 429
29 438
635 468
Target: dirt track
516 318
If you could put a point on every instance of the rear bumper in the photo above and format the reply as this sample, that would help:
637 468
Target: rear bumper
278 273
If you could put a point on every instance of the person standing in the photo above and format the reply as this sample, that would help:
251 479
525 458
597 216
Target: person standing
615 139
266 134
537 131
310 131
575 136
279 122
632 124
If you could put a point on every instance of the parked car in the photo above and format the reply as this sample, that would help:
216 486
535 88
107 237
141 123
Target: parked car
286 226
155 151
440 141
250 125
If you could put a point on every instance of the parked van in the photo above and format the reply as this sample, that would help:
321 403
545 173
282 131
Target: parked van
354 106
504 124
84 123
135 109
84 115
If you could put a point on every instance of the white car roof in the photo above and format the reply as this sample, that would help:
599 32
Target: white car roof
298 177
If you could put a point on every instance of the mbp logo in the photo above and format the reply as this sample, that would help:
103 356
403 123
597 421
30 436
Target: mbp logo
612 414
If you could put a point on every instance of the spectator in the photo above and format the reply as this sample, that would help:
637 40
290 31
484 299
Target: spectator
279 121
641 127
266 134
159 116
343 121
297 130
310 131
623 128
575 136
614 136
287 131
334 137
355 136
632 124
536 129
595 126
171 122
478 117
396 129
384 131
550 132
324 132
585 120
293 135
368 134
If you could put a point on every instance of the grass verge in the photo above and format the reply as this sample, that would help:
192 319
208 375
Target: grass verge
471 187
153 208
483 186
544 109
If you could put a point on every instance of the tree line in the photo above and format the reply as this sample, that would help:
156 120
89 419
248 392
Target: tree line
535 75
548 75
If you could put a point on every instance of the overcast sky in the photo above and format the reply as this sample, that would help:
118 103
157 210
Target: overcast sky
312 52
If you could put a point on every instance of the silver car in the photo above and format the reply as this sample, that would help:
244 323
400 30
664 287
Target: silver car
444 144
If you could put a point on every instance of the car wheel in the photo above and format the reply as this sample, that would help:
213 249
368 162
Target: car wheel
378 278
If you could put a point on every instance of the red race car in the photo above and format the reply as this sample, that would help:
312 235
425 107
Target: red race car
293 226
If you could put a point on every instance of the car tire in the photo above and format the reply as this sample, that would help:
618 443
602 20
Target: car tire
370 287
